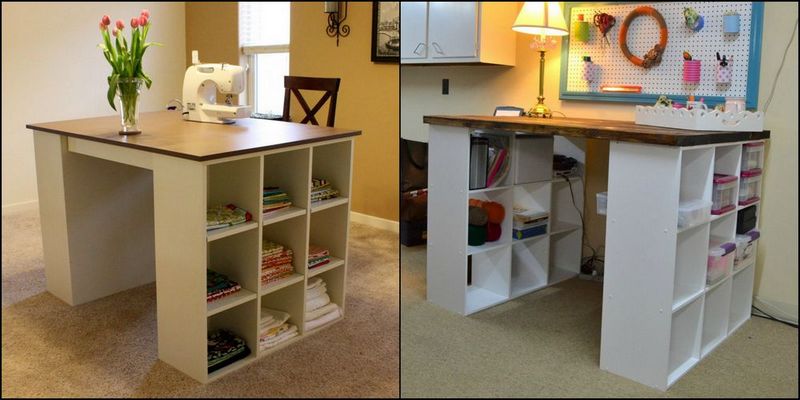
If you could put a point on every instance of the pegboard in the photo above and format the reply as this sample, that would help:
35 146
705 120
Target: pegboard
611 67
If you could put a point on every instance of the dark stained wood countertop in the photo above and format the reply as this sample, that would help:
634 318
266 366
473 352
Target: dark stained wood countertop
166 132
625 131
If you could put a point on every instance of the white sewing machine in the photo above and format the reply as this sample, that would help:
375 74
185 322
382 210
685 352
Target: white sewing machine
200 85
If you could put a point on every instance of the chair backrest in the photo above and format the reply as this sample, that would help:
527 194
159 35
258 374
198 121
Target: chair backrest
293 84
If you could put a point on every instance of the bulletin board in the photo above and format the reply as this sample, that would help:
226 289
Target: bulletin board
611 67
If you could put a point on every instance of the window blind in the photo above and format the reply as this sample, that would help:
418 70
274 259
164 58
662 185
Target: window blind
264 26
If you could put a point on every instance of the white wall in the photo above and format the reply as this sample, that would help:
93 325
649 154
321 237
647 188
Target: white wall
478 89
53 70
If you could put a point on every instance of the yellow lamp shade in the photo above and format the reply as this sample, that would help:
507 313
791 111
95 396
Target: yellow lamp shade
541 18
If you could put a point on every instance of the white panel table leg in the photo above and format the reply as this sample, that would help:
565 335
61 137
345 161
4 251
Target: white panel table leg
643 188
97 222
447 216
180 248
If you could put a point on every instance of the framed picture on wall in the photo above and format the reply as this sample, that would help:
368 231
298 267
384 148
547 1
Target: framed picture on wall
385 31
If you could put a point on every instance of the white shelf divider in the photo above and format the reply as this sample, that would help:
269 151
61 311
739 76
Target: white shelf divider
278 285
282 215
333 263
231 230
326 204
230 301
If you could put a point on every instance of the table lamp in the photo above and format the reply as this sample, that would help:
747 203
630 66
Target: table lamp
542 19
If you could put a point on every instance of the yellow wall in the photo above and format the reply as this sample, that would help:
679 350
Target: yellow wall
368 99
213 29
478 89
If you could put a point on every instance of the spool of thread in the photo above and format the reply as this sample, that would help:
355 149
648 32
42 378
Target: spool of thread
691 71
477 216
581 30
495 211
476 235
493 232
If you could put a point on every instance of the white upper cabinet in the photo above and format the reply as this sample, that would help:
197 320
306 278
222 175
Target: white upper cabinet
458 32
413 30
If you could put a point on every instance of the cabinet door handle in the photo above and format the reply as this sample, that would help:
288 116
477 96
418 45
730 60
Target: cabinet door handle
416 49
437 48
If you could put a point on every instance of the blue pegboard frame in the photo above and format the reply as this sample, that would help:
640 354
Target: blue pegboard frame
753 70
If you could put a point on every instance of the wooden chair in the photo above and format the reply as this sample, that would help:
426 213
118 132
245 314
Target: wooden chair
293 84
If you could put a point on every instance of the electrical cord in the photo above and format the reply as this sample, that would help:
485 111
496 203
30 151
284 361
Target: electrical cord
589 263
770 317
783 60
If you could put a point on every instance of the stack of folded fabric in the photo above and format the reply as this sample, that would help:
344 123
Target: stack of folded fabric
276 262
322 190
219 286
225 216
319 309
225 348
317 256
274 200
273 329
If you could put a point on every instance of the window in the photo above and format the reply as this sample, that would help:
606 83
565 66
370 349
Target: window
264 38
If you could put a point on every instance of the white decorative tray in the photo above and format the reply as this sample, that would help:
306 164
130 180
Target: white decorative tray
699 119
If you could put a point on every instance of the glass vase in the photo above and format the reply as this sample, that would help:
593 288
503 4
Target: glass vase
128 90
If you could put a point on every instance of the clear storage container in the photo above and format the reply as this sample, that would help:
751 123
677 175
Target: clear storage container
723 196
751 156
749 187
602 202
693 212
720 260
744 246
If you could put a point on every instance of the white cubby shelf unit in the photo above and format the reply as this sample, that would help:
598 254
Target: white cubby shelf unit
506 268
236 251
658 308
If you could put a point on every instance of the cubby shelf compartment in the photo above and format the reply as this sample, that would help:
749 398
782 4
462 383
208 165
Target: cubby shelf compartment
486 247
715 315
231 230
241 321
565 256
282 215
529 265
326 204
278 285
685 334
739 208
230 301
490 279
333 263
691 263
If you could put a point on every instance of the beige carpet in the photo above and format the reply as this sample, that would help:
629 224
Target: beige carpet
107 348
547 344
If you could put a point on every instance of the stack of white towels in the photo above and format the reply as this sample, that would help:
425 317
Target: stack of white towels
273 329
319 309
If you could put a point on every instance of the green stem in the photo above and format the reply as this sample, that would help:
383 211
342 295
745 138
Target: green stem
128 94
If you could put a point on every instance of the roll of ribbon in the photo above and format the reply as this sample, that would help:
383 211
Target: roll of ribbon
493 232
476 235
691 71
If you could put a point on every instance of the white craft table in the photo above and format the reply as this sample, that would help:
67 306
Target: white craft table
659 316
122 211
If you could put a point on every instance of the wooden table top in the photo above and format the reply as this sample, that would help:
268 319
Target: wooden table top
625 131
166 132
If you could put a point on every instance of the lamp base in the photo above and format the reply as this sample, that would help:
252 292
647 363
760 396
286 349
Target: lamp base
540 111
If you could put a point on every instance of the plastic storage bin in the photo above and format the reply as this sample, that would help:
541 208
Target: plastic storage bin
744 246
749 187
751 156
693 212
602 202
720 258
723 196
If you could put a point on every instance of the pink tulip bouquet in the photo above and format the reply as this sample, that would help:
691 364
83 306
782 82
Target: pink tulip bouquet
126 63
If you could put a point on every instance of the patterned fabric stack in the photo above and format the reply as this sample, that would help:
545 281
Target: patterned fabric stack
319 309
225 348
219 286
276 262
317 256
274 200
273 329
224 216
322 190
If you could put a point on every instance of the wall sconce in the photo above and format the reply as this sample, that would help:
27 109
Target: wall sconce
336 28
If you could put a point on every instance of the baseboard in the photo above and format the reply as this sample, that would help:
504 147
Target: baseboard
20 207
783 311
375 222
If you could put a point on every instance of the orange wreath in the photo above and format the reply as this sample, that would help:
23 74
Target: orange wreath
653 57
